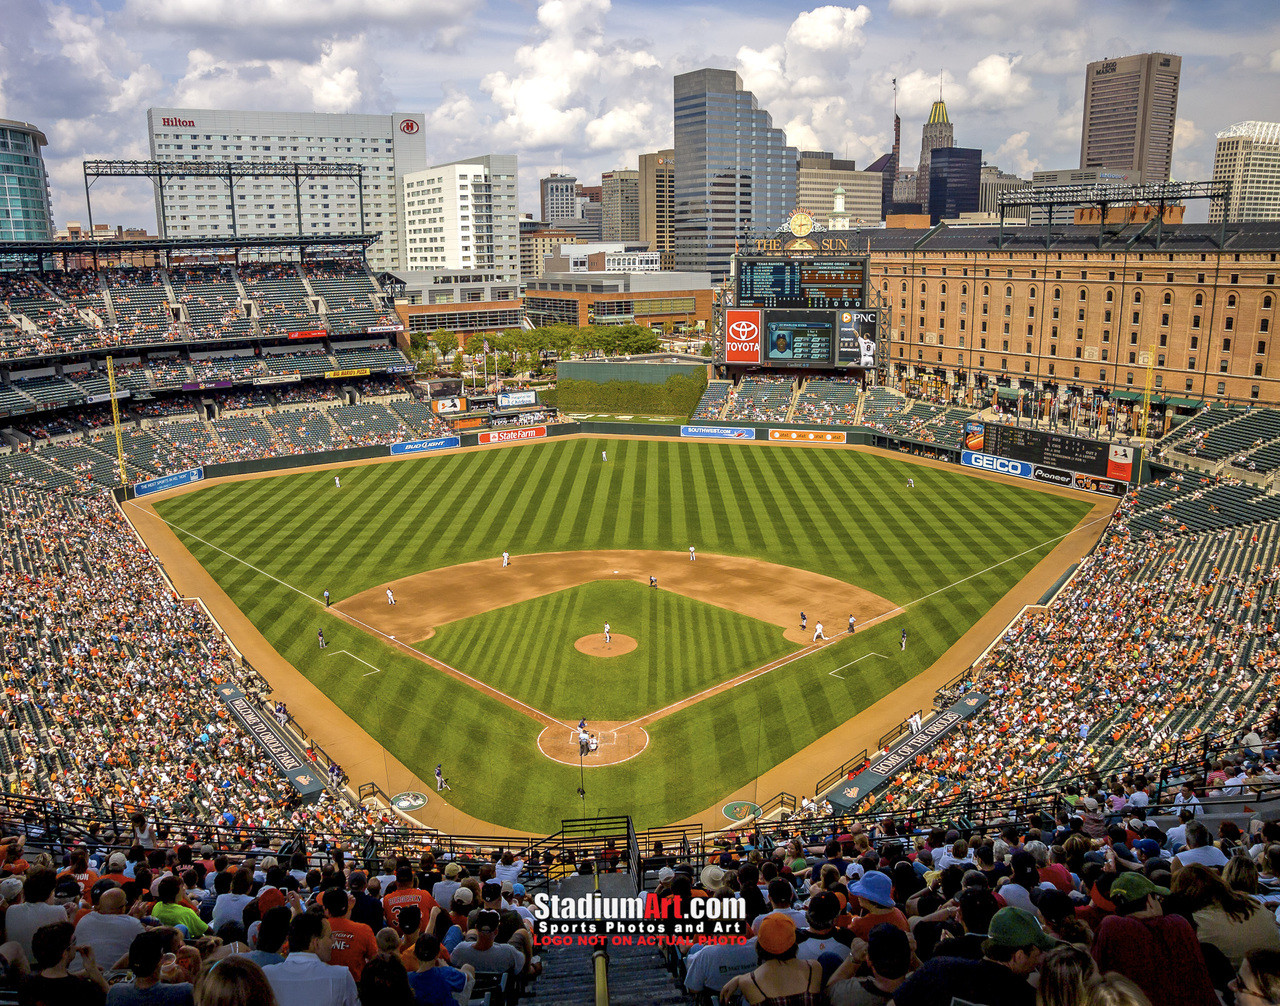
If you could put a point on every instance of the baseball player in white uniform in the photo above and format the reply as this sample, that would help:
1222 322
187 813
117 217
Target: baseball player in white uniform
817 632
607 637
691 556
506 560
391 598
337 482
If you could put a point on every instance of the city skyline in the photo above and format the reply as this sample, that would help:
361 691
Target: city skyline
584 86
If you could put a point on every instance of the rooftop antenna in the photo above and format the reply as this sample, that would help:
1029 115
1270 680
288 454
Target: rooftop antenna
895 95
939 83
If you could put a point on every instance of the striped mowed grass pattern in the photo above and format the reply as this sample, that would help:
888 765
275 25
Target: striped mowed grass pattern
842 513
684 646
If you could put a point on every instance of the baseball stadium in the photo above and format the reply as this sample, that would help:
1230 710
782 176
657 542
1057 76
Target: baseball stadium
280 587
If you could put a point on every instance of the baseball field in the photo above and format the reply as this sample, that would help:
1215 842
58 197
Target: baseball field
708 680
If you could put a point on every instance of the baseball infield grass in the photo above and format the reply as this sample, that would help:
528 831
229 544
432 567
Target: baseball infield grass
942 549
684 646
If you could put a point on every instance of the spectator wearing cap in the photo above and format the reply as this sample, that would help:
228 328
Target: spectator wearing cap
435 983
108 928
10 894
146 952
1159 952
443 889
781 976
1150 855
1200 850
887 954
306 978
711 879
35 910
116 864
365 908
874 894
821 936
484 953
353 942
1010 954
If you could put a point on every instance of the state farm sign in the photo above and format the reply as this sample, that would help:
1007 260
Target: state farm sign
507 436
741 336
177 122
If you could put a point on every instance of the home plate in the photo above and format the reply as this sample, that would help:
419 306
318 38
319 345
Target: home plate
615 571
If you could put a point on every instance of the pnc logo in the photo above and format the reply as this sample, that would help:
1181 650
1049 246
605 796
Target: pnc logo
408 126
177 122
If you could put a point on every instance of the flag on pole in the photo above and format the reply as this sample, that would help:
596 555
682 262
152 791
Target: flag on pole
486 347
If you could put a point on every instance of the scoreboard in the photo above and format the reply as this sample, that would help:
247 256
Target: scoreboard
1041 447
835 284
798 338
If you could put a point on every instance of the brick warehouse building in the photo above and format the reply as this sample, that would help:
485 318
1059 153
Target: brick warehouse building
1081 310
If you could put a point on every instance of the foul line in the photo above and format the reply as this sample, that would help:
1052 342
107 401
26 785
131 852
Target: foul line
652 717
761 671
852 662
480 686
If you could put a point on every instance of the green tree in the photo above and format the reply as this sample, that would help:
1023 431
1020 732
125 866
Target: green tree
446 342
474 344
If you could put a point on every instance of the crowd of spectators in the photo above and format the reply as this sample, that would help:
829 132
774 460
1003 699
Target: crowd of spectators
1001 916
181 923
1156 642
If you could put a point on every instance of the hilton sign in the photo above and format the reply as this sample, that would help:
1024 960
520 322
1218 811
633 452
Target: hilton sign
177 122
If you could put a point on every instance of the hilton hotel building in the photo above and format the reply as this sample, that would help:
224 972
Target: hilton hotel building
389 146
1083 311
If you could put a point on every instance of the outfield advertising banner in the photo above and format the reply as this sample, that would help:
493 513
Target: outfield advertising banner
1004 466
418 446
171 481
506 399
719 432
742 336
354 372
311 333
808 437
508 436
1107 487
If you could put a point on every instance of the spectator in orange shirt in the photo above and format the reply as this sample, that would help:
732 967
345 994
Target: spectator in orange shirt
79 871
353 942
406 894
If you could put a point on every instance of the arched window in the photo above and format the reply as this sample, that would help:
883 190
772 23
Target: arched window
942 288
1137 296
1266 301
986 290
1008 291
922 288
1168 298
964 291
1231 300
1199 300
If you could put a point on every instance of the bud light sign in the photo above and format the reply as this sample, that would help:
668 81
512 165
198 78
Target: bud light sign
741 336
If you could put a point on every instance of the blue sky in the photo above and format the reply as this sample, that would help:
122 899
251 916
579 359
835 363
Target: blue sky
585 85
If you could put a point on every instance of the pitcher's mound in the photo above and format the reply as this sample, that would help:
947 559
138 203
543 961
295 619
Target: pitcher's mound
595 646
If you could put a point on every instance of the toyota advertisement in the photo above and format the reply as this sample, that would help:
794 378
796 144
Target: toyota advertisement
742 336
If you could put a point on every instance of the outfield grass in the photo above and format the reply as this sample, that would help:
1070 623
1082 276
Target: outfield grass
684 646
846 514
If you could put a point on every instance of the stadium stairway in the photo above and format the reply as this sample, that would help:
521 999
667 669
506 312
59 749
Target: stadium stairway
637 977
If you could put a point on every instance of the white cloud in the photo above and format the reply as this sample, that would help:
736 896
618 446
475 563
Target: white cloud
1012 155
1186 134
830 29
994 84
266 16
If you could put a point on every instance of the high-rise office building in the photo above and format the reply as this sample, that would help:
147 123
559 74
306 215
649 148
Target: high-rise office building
991 182
1064 213
464 215
657 202
1248 159
388 146
937 132
620 205
559 197
1130 110
954 182
26 211
819 173
735 174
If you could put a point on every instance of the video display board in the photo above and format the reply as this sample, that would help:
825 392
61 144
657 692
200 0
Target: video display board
834 284
799 338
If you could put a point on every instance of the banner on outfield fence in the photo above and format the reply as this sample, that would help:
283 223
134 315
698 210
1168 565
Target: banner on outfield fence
377 329
206 385
303 774
506 399
401 368
808 437
311 333
719 432
171 481
1044 473
418 446
508 436
278 379
354 372
95 399
883 768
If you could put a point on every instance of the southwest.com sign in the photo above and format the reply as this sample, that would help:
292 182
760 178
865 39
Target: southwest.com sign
719 432
741 336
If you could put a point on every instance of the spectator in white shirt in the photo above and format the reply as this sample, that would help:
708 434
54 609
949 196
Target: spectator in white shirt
1187 798
306 978
1200 849
781 896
